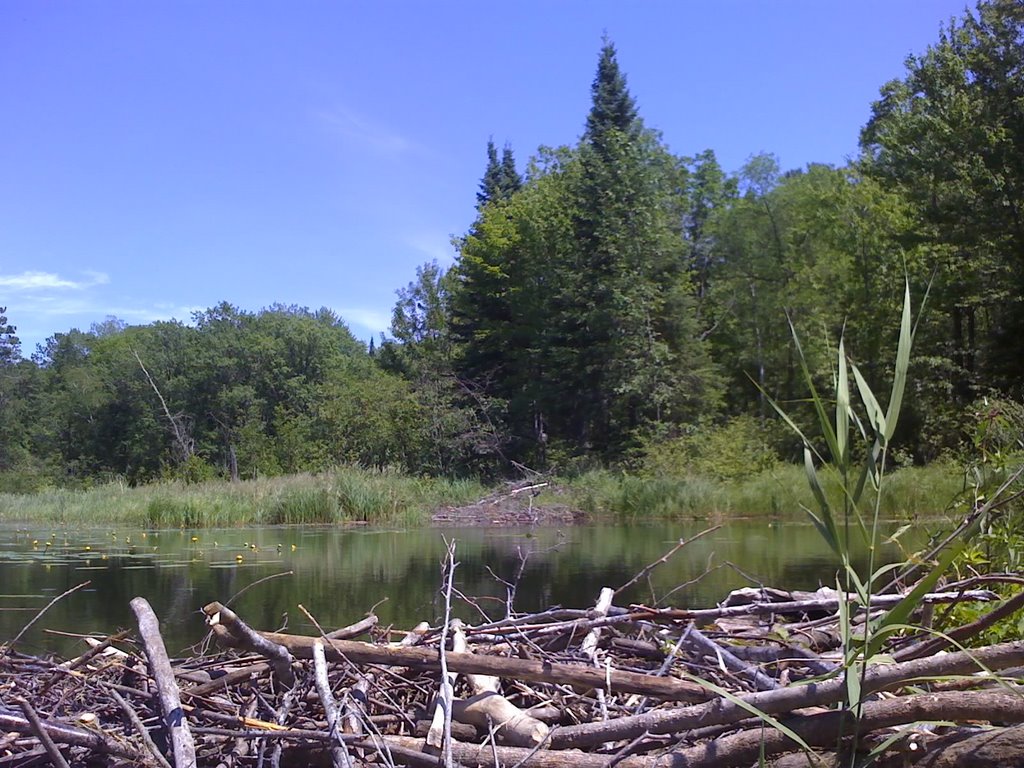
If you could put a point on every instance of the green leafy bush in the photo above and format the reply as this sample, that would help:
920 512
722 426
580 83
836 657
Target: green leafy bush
737 449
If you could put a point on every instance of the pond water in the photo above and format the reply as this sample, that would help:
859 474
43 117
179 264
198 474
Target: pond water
339 575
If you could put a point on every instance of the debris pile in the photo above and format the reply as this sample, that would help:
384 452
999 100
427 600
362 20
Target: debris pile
759 680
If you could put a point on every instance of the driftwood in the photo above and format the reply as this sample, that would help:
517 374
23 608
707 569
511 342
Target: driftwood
606 686
233 632
723 711
301 646
160 667
488 709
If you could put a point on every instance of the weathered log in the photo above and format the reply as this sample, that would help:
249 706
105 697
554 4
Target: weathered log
61 733
354 630
699 641
825 729
985 749
669 689
959 749
182 745
339 753
232 631
817 605
487 708
722 711
485 755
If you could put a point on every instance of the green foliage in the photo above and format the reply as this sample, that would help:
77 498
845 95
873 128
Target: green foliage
304 506
340 495
10 346
741 447
947 139
613 295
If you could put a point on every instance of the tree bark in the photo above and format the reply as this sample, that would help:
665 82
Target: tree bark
781 700
669 689
178 732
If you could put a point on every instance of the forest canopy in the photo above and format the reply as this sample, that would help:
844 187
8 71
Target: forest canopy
612 302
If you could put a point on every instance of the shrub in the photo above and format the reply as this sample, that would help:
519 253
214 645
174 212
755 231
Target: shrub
735 450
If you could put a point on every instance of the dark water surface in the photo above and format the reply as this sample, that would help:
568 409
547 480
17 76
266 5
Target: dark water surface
340 574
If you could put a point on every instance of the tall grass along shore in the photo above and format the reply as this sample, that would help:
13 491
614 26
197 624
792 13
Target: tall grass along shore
351 494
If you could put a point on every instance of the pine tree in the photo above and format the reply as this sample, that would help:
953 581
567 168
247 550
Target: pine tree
613 110
492 182
627 324
10 345
511 181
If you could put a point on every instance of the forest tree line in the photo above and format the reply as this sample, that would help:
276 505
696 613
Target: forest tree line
611 303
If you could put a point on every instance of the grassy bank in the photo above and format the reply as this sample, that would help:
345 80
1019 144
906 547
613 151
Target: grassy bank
388 498
781 492
344 495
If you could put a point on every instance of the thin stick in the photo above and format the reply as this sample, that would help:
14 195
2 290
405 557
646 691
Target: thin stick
256 583
664 558
44 738
9 646
140 728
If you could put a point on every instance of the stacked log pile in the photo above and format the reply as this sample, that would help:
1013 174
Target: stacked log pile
757 680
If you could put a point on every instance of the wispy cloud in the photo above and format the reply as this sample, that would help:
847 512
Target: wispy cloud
365 133
42 281
374 320
438 247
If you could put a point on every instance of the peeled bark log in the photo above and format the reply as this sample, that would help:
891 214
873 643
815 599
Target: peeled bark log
723 711
232 631
487 708
178 732
669 689
511 725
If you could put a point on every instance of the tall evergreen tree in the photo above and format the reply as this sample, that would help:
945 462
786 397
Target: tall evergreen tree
491 183
613 111
501 180
511 181
10 345
625 320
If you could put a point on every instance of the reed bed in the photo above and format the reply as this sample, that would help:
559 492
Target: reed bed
341 496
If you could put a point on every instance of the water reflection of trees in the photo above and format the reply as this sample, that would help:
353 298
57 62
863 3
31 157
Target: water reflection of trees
338 575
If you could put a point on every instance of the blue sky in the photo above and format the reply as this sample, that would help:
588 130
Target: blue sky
157 158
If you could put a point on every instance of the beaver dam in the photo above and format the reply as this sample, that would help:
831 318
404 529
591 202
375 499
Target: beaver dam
758 680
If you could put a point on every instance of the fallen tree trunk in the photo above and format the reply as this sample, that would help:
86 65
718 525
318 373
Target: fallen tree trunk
825 729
